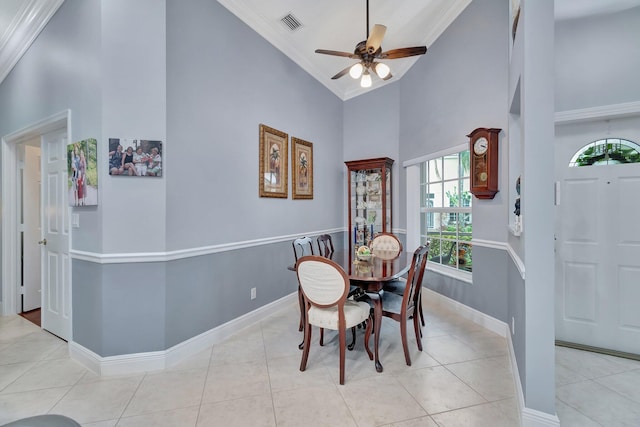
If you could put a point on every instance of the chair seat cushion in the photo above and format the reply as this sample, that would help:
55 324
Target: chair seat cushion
396 286
392 302
355 312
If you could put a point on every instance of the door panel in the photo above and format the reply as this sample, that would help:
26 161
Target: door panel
598 257
56 310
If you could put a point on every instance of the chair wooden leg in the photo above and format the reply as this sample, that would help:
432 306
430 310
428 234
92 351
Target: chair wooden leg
343 340
321 336
353 342
307 344
367 335
403 335
421 314
418 330
301 302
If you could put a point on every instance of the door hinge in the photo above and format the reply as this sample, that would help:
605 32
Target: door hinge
21 289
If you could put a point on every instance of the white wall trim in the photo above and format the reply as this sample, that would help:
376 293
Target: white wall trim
426 157
529 417
598 113
120 258
489 244
128 364
533 418
23 30
517 261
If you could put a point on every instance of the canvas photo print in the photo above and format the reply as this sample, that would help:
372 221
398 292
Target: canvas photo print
135 157
82 164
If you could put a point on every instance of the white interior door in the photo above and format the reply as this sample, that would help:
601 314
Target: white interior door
56 283
598 257
31 228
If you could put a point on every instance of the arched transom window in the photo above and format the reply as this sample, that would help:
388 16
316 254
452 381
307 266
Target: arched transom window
608 151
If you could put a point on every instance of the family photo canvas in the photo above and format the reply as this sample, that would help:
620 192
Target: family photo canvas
135 157
82 164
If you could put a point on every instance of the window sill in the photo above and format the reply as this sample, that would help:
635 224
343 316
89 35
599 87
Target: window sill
463 276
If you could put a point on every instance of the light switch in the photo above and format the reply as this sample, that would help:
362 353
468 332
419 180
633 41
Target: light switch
75 220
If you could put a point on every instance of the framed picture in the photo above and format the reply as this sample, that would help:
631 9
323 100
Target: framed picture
273 163
82 164
135 157
301 169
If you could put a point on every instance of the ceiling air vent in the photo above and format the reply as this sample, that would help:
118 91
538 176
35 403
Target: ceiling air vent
291 22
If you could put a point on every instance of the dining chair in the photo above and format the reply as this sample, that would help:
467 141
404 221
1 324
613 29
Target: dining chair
325 289
385 243
302 246
325 249
325 245
403 307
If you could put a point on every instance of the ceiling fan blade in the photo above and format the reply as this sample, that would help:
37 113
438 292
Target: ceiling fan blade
342 73
403 52
337 53
375 39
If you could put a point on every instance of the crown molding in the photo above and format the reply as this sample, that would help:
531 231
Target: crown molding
598 113
31 18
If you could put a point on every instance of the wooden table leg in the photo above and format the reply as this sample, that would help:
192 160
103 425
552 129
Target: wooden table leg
377 324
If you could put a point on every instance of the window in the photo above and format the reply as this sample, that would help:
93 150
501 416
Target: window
445 210
608 151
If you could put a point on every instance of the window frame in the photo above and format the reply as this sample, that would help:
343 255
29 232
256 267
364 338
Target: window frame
467 208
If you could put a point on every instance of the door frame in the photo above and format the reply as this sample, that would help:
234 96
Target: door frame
10 200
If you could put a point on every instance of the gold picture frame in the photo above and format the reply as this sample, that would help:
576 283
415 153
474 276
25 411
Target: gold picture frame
301 169
274 159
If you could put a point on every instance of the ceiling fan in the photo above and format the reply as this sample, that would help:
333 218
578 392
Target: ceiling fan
368 52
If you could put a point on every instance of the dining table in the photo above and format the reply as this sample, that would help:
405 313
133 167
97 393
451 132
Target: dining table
370 273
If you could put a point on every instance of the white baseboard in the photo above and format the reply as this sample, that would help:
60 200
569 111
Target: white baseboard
533 418
487 322
529 417
128 364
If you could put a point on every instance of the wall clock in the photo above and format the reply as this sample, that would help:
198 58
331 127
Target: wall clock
483 150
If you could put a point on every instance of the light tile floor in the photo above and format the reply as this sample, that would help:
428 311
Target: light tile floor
462 378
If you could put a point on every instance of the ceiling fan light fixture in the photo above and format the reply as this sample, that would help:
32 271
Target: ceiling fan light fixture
366 79
356 70
382 70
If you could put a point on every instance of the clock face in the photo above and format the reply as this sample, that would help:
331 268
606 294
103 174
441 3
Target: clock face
480 146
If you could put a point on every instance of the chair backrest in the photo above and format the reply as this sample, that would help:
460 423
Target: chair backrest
415 276
302 246
386 242
323 282
325 245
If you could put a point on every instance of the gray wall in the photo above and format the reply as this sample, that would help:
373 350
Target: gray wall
371 130
597 60
223 81
458 86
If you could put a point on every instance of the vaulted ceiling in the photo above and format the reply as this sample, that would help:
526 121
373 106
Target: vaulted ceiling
327 24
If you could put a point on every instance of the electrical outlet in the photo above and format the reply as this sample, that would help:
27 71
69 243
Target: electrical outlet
253 293
513 326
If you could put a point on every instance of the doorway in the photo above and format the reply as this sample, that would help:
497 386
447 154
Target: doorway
48 140
30 229
598 240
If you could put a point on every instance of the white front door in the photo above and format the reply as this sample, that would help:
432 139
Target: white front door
598 257
31 229
56 283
